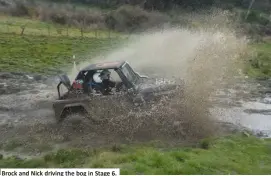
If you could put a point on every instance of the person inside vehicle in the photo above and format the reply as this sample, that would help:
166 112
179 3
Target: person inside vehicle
107 84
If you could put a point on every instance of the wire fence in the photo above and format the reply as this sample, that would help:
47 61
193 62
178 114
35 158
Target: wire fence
57 31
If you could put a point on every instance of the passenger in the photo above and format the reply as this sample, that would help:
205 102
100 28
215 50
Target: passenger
107 84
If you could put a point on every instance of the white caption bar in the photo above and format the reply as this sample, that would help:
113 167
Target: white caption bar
60 172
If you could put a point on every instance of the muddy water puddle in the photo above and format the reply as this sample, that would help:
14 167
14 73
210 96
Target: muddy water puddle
251 110
28 126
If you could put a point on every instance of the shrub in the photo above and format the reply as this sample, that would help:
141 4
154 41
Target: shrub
132 18
126 18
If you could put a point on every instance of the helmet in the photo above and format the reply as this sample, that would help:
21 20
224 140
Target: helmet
105 74
97 78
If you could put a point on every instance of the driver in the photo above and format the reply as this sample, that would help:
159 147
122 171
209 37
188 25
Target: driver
107 84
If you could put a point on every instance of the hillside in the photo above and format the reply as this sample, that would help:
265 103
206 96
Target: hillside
169 4
95 19
139 15
47 48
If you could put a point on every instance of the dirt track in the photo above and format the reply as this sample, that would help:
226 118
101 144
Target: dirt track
27 121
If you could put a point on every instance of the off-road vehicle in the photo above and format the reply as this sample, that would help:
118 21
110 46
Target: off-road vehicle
85 94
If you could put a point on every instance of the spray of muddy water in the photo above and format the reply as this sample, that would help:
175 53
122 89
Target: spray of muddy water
204 58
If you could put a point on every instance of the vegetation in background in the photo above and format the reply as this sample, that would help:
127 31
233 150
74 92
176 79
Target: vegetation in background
134 15
27 26
259 65
42 49
125 18
236 154
43 54
163 5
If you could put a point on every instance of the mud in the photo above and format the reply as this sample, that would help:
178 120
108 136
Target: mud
27 120
25 98
251 107
214 101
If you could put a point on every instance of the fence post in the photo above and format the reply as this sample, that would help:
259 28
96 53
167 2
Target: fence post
48 28
82 33
23 28
109 33
96 33
67 30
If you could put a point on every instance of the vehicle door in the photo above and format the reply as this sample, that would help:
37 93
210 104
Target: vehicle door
104 107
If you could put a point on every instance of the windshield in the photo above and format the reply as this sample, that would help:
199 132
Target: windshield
130 74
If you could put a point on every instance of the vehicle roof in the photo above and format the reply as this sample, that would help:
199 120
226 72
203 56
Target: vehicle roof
104 65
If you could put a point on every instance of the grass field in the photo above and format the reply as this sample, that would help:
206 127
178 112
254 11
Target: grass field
36 27
260 64
36 51
43 54
43 49
236 154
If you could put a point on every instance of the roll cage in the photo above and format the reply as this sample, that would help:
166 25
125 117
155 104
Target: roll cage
127 75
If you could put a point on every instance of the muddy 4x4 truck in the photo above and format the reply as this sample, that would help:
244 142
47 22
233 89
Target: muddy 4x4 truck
84 95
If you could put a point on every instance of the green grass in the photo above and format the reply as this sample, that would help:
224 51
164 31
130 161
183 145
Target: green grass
36 27
226 155
260 65
45 54
37 51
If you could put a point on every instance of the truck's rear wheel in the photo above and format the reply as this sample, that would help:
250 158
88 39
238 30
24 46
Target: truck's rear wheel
70 111
82 112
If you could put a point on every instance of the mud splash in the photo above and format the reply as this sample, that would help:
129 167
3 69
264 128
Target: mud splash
205 58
